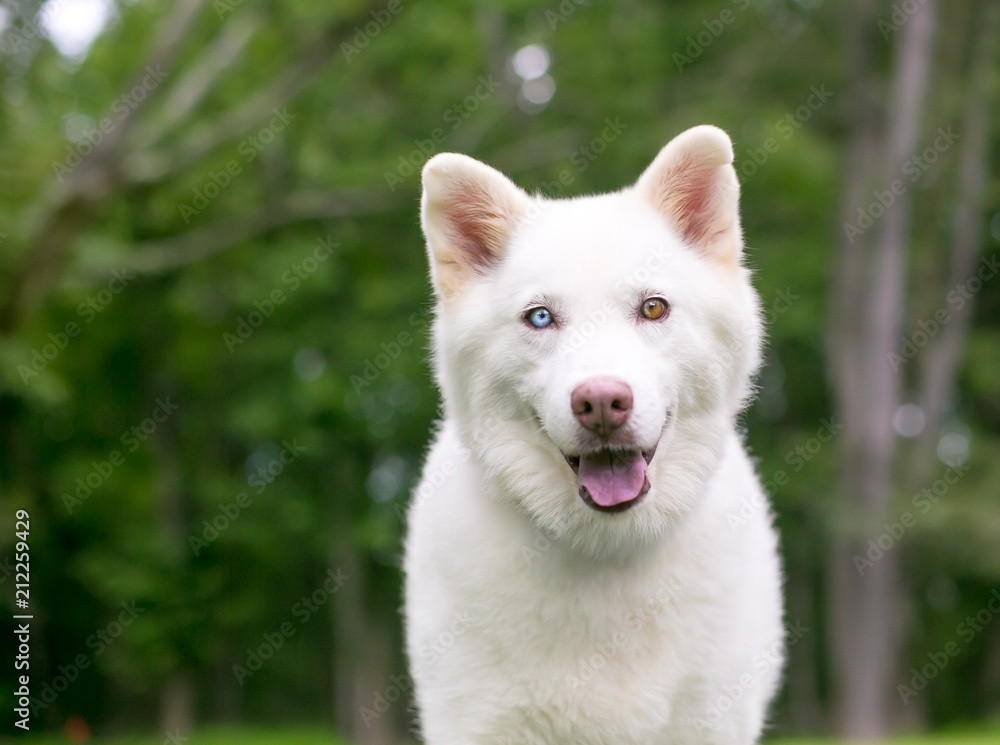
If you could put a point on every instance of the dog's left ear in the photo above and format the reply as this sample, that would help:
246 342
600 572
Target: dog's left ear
693 184
469 212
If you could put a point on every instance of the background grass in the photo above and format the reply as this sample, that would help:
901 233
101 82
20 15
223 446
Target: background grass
976 736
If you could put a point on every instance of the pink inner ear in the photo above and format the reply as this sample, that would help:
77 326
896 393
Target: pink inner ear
686 195
475 225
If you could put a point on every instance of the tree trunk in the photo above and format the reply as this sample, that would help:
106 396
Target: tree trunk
177 693
367 699
805 710
868 602
347 620
940 359
177 704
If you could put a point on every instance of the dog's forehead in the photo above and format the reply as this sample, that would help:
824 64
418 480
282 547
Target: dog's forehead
607 241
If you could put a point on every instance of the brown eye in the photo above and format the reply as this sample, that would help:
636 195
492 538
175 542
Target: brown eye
654 309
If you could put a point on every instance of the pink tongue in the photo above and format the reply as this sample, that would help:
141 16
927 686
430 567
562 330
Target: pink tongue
612 477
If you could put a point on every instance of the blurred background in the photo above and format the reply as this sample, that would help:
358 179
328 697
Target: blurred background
214 391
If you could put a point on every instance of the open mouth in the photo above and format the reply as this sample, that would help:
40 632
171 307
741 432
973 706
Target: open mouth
612 480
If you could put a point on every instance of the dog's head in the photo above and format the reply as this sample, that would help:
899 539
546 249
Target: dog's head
594 351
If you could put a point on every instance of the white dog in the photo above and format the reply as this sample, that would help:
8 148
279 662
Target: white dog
580 569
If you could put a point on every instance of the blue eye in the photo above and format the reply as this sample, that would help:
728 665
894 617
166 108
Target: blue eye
539 317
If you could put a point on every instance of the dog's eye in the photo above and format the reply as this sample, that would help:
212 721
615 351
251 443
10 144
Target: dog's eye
654 309
539 317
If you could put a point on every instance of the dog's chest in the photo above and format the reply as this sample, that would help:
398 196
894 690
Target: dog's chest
575 661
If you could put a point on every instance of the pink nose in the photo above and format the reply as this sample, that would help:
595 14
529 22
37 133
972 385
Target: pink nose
602 405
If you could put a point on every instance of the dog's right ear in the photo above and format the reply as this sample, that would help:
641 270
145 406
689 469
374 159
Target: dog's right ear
469 212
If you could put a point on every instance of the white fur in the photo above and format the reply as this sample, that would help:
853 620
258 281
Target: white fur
532 618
